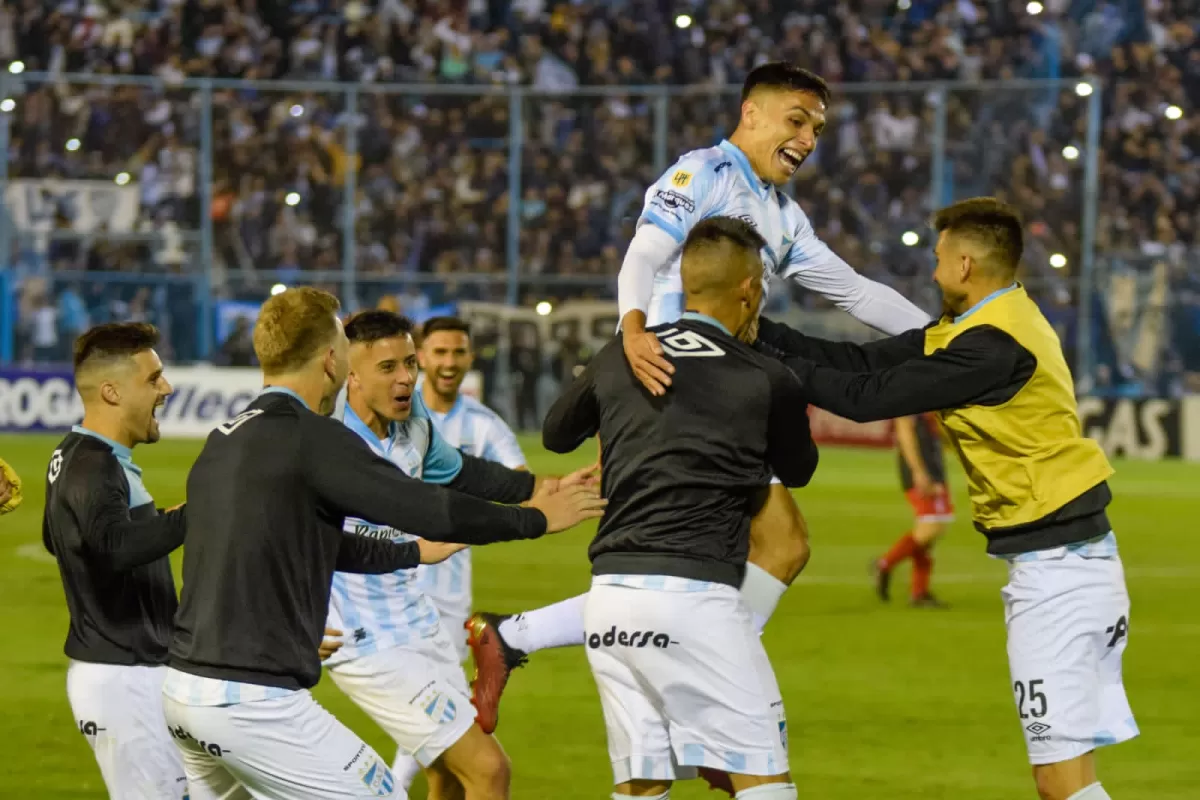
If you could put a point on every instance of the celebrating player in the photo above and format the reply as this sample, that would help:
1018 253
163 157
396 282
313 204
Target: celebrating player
684 679
111 544
470 426
268 498
923 477
994 370
399 662
782 115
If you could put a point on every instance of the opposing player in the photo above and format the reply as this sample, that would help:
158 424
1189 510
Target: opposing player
470 426
782 116
923 478
111 544
993 369
683 677
398 661
268 498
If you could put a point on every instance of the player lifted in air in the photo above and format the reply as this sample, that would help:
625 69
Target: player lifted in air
398 660
923 477
782 115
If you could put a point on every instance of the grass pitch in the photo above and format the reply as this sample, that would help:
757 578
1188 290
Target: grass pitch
883 701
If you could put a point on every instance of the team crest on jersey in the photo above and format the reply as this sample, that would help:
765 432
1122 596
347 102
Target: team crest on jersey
688 344
681 178
437 705
377 777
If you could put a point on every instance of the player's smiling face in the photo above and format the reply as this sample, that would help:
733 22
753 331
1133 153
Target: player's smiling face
786 126
383 375
143 392
446 358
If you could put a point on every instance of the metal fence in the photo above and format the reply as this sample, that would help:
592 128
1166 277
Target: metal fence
176 200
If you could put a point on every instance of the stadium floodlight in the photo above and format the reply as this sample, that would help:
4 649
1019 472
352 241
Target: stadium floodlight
1173 112
296 110
1034 8
16 67
1083 89
72 145
278 288
7 104
121 179
1070 152
683 21
543 308
292 198
1058 261
910 238
904 5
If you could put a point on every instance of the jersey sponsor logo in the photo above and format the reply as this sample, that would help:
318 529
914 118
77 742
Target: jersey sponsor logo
89 728
722 166
1037 731
675 201
613 637
55 466
212 748
374 531
688 344
681 178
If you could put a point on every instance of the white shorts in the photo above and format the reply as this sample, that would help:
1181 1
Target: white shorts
418 694
1068 623
684 680
448 587
453 613
287 748
119 710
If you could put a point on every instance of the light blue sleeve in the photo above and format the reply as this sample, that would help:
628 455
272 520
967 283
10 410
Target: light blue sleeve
442 461
685 194
502 446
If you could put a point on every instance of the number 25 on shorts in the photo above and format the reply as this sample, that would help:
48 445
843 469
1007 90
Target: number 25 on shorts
1031 701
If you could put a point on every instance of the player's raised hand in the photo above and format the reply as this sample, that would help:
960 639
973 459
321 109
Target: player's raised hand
568 507
330 644
437 552
645 355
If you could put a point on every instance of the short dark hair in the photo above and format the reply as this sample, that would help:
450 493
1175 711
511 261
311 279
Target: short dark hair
371 326
112 341
715 230
437 324
786 76
995 224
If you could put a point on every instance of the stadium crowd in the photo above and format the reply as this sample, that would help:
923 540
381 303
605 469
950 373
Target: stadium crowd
432 170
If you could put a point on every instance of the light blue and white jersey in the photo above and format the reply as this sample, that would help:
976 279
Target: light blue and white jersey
375 612
477 431
719 181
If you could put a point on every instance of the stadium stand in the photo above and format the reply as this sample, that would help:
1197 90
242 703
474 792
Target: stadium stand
432 172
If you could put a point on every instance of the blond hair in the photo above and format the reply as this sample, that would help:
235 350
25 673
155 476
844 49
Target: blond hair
292 327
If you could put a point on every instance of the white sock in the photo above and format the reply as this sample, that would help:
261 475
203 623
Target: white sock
761 592
1093 792
559 625
769 791
405 769
664 796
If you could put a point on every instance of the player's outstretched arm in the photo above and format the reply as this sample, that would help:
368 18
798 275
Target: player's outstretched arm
366 556
651 249
575 416
983 365
810 263
353 482
98 498
880 354
489 480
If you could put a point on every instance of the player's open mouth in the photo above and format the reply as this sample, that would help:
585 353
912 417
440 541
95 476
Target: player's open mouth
403 400
448 376
790 158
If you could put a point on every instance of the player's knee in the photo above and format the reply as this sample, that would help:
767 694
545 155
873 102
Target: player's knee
489 773
1067 781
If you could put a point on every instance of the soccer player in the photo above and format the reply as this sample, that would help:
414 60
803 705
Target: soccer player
923 478
111 544
465 423
782 116
268 498
683 677
993 369
399 662
10 488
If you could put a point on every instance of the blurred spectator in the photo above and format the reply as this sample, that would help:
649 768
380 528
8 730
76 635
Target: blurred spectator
238 349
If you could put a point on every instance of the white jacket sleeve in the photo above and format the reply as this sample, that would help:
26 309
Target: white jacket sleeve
651 250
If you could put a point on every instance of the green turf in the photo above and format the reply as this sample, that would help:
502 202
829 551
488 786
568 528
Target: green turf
883 702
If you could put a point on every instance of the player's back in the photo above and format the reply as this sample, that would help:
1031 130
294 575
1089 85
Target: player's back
682 472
